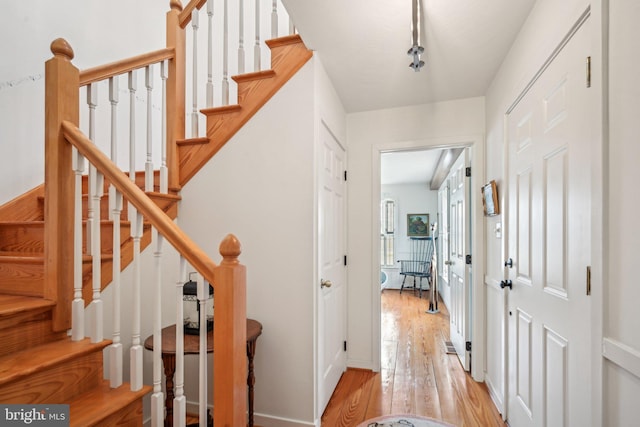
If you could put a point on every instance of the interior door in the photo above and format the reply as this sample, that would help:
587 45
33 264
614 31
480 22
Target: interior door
459 282
443 233
549 244
331 286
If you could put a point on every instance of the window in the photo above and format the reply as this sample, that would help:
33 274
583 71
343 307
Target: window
387 232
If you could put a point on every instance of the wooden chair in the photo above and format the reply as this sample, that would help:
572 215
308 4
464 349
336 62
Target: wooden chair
418 265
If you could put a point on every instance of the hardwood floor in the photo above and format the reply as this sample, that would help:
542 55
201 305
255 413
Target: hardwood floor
417 375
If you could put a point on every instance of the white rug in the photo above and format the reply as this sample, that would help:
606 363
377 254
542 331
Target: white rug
403 421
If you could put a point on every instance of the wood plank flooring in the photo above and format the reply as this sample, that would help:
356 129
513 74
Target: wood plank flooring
417 375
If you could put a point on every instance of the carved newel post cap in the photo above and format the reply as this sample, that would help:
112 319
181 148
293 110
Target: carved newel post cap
230 249
60 47
175 5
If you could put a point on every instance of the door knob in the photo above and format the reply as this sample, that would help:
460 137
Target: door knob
506 284
325 283
508 263
448 263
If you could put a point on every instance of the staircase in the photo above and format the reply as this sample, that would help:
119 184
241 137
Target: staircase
39 364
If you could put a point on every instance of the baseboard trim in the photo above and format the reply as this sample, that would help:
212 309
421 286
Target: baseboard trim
273 421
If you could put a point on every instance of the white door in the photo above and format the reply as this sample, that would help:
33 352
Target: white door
443 234
459 282
549 209
331 285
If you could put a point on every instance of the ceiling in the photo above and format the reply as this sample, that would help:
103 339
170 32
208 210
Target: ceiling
363 46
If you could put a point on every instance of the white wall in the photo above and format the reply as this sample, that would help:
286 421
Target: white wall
432 125
261 187
621 327
545 27
409 198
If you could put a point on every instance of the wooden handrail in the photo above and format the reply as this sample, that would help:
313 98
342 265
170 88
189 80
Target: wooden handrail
165 226
117 68
185 15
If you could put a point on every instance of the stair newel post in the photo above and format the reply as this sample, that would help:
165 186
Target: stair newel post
148 166
274 19
175 90
225 54
256 48
230 332
194 84
62 81
157 398
180 400
164 177
136 347
210 54
241 37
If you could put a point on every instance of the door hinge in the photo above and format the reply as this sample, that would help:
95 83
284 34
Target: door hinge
345 175
588 71
468 345
467 259
344 345
467 172
588 280
345 260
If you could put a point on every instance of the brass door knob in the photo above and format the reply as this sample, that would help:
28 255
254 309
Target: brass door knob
325 283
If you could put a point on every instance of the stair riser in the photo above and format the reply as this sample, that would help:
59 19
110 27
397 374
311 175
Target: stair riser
58 384
130 415
26 330
17 278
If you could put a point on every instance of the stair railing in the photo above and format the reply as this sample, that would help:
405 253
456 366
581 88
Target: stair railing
164 121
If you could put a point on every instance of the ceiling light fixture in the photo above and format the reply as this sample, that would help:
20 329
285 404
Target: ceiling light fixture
415 50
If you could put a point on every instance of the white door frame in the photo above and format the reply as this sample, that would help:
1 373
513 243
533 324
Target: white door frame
477 145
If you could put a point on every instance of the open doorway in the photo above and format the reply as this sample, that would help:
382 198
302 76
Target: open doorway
403 200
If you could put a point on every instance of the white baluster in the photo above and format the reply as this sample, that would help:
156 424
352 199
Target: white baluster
241 38
115 350
225 56
202 355
164 173
148 166
210 54
292 27
92 102
256 48
194 83
136 349
77 316
133 85
180 400
96 330
274 19
115 204
157 398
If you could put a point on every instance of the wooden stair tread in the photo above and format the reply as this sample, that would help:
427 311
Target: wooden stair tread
11 305
21 364
92 407
225 109
283 41
20 256
265 74
193 141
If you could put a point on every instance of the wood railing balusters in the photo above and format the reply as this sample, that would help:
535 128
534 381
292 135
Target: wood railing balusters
164 175
157 398
180 400
148 166
194 82
210 54
225 56
256 49
77 311
274 19
241 37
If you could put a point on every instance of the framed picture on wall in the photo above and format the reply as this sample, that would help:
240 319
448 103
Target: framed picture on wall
418 225
490 199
